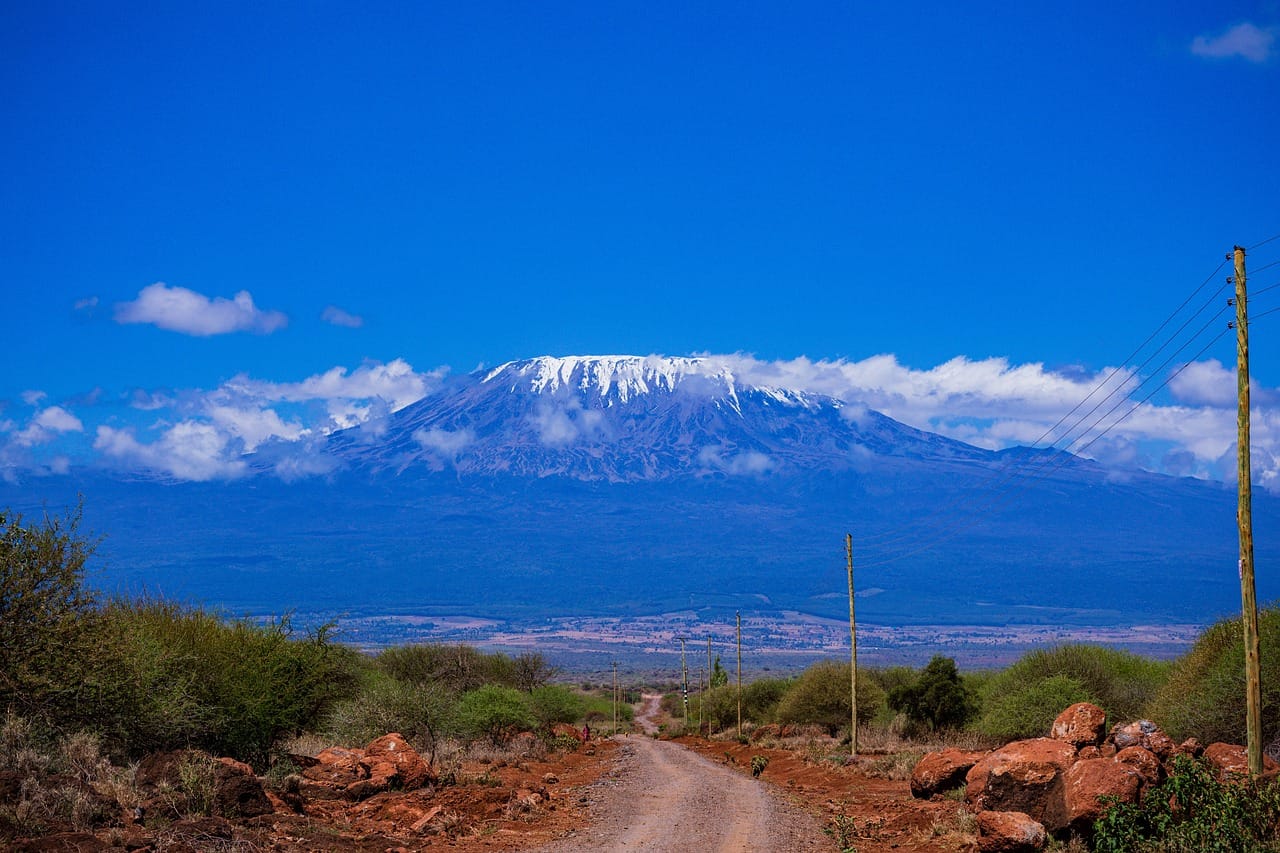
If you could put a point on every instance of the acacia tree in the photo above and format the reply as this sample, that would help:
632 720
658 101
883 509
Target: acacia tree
43 607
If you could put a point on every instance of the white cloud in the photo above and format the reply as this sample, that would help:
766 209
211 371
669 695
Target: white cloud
181 310
187 450
33 398
86 305
1205 383
1246 41
559 425
254 426
335 315
445 442
47 425
746 462
396 382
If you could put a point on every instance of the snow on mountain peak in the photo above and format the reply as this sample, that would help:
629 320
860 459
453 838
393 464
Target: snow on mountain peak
623 376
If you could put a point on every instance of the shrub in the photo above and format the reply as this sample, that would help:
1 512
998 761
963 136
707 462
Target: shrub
760 699
43 611
458 668
821 696
554 703
936 698
1029 710
494 712
419 712
1204 696
1119 682
1191 810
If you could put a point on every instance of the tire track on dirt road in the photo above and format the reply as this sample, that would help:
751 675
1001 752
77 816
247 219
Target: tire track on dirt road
662 797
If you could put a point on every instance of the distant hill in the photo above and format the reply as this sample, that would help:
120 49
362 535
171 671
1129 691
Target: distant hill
633 485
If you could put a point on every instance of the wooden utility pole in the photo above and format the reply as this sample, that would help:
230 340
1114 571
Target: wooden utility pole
708 693
1244 517
738 614
615 697
853 651
684 670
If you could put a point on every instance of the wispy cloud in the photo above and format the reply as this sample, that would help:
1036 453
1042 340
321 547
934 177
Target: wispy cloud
178 309
336 316
86 305
1246 41
187 451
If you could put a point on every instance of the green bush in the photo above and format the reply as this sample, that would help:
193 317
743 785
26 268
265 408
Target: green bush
458 668
555 703
1029 710
1119 682
1204 696
821 696
419 712
44 610
760 699
1191 810
494 712
936 698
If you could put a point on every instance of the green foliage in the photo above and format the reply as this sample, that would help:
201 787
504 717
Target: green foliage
760 699
821 695
1030 710
936 698
43 608
173 676
419 712
719 675
1191 810
555 703
457 668
1204 696
1023 700
495 712
758 764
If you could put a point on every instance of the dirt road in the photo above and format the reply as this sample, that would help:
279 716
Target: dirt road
661 797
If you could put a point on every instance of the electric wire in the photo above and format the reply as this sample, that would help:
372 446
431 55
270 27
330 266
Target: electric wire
1263 243
956 532
1027 467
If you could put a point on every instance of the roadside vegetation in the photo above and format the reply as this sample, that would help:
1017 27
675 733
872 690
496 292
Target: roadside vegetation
90 685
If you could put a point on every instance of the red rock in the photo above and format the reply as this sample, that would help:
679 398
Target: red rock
1024 776
939 771
1087 752
238 766
1145 734
1086 783
408 770
1191 747
1083 724
1230 762
421 823
338 766
566 730
1009 832
1143 761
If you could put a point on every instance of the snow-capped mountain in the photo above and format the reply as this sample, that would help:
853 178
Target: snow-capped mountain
629 418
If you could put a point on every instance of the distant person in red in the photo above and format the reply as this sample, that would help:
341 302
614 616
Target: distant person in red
586 732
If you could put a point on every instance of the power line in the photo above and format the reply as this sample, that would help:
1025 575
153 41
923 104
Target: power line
1264 242
1011 473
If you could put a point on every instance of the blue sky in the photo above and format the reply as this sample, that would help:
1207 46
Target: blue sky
969 213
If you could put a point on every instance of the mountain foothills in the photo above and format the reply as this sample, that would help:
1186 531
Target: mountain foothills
629 485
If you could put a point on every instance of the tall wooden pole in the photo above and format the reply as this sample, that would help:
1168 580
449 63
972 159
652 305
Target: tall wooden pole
684 671
615 697
704 697
738 614
1244 517
853 652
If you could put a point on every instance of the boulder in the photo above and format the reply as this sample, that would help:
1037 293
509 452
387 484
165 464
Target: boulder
1145 734
940 771
1191 747
1085 784
238 793
1087 752
1009 832
1024 776
1144 762
1230 762
1083 724
338 766
391 758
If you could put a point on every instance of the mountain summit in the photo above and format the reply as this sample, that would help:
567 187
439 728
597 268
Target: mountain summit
631 418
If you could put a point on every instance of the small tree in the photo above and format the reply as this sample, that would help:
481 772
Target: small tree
530 670
43 608
937 697
821 695
494 712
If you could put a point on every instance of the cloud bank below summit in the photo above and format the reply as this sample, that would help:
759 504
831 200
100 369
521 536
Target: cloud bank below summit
204 434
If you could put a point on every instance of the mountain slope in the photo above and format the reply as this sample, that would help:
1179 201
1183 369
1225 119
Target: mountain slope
631 418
